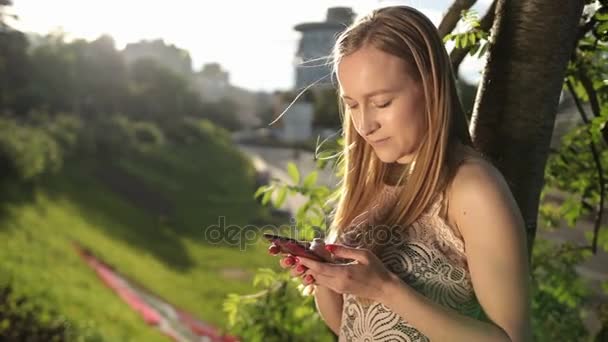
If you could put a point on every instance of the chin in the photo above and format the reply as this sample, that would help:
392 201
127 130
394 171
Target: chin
386 158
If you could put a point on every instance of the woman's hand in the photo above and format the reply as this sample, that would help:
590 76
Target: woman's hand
365 277
289 261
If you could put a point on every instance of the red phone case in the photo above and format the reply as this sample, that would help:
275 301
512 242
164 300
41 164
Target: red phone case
293 246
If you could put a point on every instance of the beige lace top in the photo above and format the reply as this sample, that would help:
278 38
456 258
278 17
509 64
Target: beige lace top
431 258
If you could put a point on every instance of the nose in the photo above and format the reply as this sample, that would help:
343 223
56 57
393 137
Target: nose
366 124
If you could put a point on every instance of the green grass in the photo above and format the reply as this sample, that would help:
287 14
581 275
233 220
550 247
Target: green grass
170 255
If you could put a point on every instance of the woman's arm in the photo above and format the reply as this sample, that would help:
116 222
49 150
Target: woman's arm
490 222
329 306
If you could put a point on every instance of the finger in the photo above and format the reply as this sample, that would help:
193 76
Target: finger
346 252
287 262
321 280
318 266
309 279
298 270
318 247
274 249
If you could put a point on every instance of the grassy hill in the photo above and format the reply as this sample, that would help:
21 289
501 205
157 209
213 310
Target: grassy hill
147 216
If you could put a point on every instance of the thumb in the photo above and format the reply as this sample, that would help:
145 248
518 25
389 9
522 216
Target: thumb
347 252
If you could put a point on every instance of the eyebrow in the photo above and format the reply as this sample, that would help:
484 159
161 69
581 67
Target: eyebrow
370 94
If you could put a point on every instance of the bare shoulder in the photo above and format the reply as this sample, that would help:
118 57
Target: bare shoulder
477 175
480 191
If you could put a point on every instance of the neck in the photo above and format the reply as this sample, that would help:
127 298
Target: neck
394 171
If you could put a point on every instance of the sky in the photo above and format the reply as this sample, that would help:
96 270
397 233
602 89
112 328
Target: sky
253 40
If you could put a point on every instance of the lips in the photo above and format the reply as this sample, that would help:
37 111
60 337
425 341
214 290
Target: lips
379 141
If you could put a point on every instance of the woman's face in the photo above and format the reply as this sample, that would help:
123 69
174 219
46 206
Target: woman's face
386 104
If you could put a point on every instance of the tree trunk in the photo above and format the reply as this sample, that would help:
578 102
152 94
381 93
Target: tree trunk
516 103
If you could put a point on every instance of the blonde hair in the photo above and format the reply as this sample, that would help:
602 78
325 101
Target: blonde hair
406 33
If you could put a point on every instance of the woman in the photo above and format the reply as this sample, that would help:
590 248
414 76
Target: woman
436 238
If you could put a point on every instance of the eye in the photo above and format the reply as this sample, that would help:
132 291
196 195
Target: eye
352 107
385 104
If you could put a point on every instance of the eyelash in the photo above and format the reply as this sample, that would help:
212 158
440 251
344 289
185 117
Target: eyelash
379 106
385 104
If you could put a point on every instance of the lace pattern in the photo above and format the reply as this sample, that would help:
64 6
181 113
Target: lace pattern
430 258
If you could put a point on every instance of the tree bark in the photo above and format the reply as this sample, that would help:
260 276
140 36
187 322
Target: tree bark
515 107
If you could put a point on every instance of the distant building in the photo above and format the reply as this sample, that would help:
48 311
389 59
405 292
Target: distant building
212 82
311 64
316 44
168 55
213 85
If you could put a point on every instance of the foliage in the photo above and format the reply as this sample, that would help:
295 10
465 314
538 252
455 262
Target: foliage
578 169
280 312
27 152
21 320
472 37
118 135
190 130
557 292
280 309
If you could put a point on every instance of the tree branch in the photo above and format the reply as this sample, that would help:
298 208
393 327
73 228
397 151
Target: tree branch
584 29
598 165
588 85
451 17
458 54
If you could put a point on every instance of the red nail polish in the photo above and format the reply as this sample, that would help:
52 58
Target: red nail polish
330 248
289 261
300 268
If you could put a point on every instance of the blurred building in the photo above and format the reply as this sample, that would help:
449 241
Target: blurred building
312 64
213 85
212 82
315 47
168 55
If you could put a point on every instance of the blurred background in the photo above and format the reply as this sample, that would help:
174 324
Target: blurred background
142 152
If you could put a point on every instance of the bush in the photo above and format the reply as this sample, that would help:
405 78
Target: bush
20 320
283 311
27 152
119 135
279 313
145 135
191 130
64 128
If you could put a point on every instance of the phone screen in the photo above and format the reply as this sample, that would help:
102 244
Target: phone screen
293 246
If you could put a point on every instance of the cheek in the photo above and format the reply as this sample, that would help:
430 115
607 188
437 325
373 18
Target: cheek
408 126
354 123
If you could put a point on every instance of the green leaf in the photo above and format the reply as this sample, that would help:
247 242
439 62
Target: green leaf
264 277
571 211
603 28
472 38
262 189
311 179
280 199
447 37
267 197
601 15
293 172
457 41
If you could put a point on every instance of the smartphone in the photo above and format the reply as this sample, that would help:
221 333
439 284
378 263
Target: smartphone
293 246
